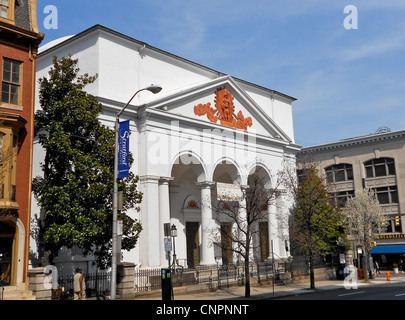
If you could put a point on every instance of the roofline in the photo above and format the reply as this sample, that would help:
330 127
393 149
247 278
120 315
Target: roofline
219 82
141 43
35 36
355 141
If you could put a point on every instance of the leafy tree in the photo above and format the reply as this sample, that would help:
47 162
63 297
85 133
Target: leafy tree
364 220
75 192
317 228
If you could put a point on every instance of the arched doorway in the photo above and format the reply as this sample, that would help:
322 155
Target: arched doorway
259 182
186 208
7 243
227 205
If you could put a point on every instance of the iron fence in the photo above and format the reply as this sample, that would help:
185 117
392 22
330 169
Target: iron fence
281 271
97 286
214 275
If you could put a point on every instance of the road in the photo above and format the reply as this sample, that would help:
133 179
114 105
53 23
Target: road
383 291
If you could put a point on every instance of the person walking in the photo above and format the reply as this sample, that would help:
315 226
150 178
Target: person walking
377 267
79 285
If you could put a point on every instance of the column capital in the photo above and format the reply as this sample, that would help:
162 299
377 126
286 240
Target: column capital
206 184
163 180
149 178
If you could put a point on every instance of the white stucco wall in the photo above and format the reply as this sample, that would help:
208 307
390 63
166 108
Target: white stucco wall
169 126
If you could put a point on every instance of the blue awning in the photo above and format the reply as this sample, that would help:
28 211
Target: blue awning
396 248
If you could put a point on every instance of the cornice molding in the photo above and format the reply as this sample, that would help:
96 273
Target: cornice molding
355 141
34 36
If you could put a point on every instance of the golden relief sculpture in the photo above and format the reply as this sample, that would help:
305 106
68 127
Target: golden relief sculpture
224 111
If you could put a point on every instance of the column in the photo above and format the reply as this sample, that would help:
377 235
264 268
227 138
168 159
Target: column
164 215
150 236
207 223
273 230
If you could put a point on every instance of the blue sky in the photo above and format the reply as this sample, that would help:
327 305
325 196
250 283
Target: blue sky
348 82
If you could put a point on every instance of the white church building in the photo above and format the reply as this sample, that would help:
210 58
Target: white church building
204 135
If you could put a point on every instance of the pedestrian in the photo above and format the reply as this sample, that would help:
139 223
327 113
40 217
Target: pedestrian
377 267
79 285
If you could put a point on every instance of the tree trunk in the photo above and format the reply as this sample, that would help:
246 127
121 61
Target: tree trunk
365 264
311 272
247 279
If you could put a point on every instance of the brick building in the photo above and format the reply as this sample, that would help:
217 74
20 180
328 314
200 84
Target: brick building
19 40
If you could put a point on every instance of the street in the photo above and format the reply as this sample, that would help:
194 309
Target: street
380 291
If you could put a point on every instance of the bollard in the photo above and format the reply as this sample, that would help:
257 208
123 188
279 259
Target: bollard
388 276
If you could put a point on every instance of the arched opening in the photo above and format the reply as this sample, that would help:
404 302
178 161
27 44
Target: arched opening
226 172
258 200
228 194
185 208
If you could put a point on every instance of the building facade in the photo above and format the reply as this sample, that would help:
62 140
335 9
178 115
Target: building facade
206 134
375 162
19 40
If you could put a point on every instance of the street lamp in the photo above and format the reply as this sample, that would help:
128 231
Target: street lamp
173 233
154 89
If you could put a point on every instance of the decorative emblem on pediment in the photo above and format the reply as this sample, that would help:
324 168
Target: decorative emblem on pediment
224 111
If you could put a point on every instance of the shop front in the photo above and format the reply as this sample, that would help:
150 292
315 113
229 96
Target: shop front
389 256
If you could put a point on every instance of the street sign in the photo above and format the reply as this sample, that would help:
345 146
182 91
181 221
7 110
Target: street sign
120 226
168 244
166 228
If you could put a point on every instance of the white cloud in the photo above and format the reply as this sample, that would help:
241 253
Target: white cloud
373 47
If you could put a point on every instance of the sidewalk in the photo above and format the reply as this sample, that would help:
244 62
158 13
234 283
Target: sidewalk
265 292
256 292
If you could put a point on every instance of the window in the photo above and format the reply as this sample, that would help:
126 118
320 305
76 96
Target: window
339 199
10 87
226 242
393 226
380 167
338 173
8 165
4 8
387 195
264 240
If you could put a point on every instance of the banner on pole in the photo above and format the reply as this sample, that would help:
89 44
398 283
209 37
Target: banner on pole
123 149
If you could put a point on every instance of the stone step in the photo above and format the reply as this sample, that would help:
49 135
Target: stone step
16 293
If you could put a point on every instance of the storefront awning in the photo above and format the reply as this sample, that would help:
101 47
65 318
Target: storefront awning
397 248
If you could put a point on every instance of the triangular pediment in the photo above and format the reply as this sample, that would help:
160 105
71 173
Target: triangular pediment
220 103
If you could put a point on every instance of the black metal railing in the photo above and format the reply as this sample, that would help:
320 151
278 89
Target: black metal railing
214 275
282 270
97 286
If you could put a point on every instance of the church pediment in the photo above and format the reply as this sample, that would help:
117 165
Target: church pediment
220 102
224 111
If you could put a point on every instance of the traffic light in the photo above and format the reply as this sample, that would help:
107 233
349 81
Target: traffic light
396 220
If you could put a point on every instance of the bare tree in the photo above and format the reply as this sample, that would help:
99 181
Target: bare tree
237 219
364 220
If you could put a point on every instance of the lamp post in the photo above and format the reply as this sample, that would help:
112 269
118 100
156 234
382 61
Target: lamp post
173 233
154 89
